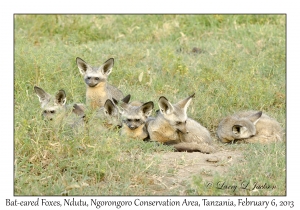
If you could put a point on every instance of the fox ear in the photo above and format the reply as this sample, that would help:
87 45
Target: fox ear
147 108
236 129
82 65
165 106
126 99
124 104
78 110
107 66
42 95
255 117
60 97
115 101
183 104
109 107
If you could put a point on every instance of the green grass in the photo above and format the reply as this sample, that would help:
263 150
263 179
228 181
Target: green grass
242 66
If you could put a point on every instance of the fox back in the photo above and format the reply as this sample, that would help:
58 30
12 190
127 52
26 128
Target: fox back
173 127
249 127
134 118
98 90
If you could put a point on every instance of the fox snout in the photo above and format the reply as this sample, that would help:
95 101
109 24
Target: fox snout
181 127
92 81
48 115
132 127
133 124
184 131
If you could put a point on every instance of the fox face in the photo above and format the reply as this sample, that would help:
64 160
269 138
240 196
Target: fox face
51 105
135 114
175 114
95 76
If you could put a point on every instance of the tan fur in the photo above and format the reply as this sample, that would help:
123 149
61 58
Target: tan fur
136 103
173 127
264 130
160 130
96 96
138 133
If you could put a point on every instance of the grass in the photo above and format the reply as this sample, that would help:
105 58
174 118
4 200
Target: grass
241 66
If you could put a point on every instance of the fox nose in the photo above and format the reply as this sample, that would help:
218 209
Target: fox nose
184 131
132 127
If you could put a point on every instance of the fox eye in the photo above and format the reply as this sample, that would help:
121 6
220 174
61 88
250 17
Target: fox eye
96 78
45 111
88 77
137 120
178 123
129 120
52 111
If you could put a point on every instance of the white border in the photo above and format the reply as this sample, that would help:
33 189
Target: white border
137 6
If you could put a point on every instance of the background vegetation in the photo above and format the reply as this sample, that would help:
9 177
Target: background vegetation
231 62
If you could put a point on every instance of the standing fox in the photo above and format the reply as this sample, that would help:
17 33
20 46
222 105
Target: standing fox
135 116
249 127
98 90
173 127
54 107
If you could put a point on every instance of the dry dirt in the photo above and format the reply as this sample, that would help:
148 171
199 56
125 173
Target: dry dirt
178 168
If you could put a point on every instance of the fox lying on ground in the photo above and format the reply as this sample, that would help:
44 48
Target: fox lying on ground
109 114
173 127
98 90
249 127
102 120
134 118
55 108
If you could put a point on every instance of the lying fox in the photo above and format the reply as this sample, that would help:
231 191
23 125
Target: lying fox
173 127
135 116
106 118
55 108
249 127
109 114
98 90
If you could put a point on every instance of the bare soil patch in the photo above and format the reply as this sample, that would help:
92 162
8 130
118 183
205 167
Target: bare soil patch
178 168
